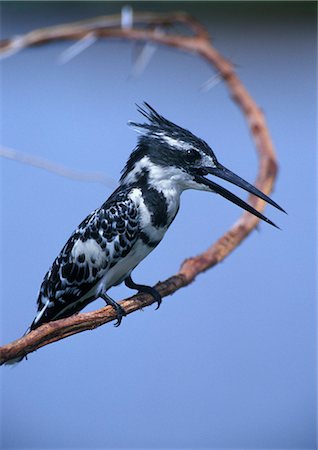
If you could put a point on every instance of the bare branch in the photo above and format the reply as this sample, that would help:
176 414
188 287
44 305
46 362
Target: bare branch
101 26
200 44
57 169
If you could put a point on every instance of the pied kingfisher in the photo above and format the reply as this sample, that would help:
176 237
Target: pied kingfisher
107 246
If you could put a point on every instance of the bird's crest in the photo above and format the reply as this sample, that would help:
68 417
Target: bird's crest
157 121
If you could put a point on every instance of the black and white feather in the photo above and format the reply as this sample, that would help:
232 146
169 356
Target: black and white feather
98 255
106 247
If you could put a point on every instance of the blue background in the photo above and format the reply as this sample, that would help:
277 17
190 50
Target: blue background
228 362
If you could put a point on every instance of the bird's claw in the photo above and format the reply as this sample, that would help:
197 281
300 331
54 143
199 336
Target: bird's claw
120 314
157 297
144 289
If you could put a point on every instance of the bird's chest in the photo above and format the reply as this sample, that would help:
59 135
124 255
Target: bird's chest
155 214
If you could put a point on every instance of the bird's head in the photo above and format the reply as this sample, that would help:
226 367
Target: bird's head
168 156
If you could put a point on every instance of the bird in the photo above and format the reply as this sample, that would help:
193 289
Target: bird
106 247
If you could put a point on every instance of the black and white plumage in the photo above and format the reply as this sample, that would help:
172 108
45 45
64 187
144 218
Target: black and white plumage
106 247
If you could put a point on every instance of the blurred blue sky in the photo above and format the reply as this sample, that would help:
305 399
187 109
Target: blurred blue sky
228 362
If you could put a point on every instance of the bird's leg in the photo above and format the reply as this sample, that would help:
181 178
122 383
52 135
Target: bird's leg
119 309
142 288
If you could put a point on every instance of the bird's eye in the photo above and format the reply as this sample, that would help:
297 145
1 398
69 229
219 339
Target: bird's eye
192 155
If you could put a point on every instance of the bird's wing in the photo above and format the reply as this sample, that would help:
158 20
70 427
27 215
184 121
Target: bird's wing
104 237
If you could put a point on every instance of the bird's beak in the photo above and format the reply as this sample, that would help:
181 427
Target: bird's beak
222 172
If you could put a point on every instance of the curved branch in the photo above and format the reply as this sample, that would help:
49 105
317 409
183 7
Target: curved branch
200 44
102 26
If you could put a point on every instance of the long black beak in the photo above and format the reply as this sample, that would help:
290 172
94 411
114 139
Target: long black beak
227 175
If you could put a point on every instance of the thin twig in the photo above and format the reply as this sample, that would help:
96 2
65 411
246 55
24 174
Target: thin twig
198 43
74 50
57 169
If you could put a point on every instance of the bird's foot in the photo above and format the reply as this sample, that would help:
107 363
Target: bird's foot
120 312
143 288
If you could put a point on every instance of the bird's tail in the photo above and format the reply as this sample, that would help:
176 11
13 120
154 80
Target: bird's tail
15 361
36 322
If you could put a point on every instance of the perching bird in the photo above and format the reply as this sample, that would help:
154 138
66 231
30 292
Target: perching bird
107 246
